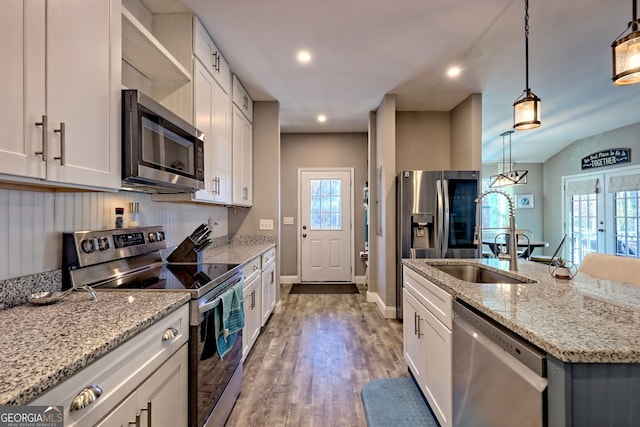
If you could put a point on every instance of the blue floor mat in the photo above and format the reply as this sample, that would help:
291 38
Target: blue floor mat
395 402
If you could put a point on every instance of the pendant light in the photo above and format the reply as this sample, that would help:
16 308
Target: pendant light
507 176
526 109
626 53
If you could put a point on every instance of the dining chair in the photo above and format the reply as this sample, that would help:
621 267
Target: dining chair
611 267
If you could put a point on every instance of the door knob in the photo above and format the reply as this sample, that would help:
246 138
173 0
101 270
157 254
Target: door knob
304 234
304 227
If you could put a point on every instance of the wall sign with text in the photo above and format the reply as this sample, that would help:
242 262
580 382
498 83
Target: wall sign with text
609 157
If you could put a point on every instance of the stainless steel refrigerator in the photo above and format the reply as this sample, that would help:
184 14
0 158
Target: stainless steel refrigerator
435 218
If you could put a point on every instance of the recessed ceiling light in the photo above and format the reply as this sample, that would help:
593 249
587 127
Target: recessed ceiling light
304 56
322 118
453 71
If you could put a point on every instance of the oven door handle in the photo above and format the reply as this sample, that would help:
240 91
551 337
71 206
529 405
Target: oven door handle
208 306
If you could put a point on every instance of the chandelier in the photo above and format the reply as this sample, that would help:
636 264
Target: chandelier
508 177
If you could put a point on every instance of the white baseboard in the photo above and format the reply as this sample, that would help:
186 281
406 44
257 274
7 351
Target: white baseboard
289 280
387 311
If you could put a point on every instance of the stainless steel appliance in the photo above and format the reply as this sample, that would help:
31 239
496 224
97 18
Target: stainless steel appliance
132 259
435 217
161 153
498 378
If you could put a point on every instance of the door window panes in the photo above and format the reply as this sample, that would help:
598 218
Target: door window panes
584 226
326 204
626 223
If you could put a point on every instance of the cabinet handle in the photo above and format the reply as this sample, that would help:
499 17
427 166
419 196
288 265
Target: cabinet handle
169 334
216 61
253 300
415 323
255 267
419 332
85 398
62 143
148 409
43 153
245 191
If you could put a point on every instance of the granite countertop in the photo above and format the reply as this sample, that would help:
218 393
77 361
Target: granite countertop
43 345
580 320
236 252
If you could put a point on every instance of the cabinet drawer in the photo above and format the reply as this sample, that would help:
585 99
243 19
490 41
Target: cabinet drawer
434 298
252 268
120 371
268 257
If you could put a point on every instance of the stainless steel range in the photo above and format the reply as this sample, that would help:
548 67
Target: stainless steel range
132 259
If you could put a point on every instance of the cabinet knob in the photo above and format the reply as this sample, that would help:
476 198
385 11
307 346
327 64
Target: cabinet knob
169 334
85 398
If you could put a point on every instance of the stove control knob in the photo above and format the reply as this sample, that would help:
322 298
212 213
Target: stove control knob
89 245
157 236
103 243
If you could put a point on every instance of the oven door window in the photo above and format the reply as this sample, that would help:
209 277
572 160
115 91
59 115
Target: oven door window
166 150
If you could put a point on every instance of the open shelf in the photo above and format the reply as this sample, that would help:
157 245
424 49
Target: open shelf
147 55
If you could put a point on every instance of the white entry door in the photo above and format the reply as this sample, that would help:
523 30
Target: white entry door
326 232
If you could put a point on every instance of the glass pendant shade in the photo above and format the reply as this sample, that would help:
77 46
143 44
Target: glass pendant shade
626 58
526 111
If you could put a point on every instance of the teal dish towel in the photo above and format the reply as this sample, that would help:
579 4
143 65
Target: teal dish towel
229 318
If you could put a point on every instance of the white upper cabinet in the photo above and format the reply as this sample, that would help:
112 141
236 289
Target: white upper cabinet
60 119
206 51
213 118
242 99
242 145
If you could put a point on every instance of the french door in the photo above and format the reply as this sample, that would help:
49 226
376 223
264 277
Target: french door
602 213
584 207
326 216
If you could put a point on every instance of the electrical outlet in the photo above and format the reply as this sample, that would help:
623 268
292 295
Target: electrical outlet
266 224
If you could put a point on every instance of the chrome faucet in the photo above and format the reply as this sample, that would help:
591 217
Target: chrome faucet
513 252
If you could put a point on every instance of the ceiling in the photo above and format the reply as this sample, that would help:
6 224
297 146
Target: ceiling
364 49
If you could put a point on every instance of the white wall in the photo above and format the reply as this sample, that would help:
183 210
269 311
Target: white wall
32 222
384 205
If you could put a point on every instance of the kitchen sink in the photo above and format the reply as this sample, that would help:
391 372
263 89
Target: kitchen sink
477 274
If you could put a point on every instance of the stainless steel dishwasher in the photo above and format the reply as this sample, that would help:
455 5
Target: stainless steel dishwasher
498 379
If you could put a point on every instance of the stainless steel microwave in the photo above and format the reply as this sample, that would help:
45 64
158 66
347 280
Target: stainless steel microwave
161 153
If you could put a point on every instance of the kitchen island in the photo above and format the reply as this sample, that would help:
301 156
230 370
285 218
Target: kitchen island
588 327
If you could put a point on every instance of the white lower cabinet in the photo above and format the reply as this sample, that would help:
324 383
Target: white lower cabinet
157 401
252 295
427 316
268 284
145 379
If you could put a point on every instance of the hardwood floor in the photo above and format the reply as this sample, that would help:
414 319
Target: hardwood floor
312 359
